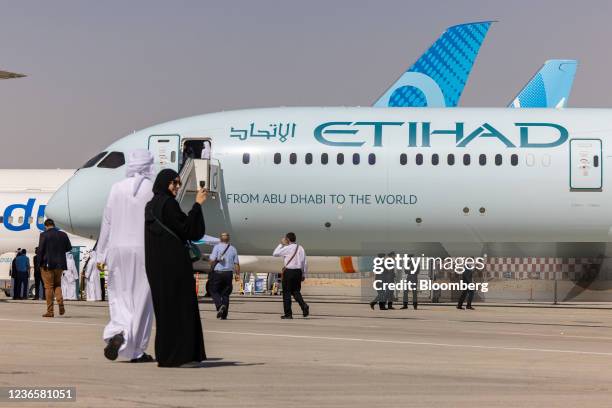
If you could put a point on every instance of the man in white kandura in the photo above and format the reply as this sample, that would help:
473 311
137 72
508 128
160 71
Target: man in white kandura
69 279
121 248
93 290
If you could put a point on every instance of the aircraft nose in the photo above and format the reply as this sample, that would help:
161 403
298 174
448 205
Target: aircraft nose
58 208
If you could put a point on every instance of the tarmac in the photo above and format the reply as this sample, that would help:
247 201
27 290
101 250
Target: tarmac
344 355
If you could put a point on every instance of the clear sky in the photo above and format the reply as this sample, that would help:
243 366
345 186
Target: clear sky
97 70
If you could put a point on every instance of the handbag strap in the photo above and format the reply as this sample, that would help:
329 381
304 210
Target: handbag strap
216 261
168 230
226 248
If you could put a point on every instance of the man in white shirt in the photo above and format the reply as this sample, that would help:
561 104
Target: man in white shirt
294 272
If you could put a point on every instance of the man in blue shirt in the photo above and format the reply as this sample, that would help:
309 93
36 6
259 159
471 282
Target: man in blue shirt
224 263
22 265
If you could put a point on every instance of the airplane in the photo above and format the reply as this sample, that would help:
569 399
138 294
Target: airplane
10 75
458 44
472 29
356 180
23 197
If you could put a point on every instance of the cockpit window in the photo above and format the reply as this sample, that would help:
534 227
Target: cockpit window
112 161
92 162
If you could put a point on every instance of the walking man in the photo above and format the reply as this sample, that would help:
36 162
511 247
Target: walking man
293 273
121 247
52 247
22 277
466 277
224 263
411 275
382 293
38 294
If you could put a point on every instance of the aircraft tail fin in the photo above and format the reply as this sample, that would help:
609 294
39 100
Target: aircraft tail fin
550 87
438 77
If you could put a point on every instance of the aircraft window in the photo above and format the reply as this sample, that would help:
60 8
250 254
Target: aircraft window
30 220
39 220
450 159
530 159
340 158
356 158
10 220
246 158
482 159
403 159
308 158
91 162
546 160
293 158
435 159
466 159
1 218
112 161
498 159
20 220
419 159
324 158
514 159
277 158
371 159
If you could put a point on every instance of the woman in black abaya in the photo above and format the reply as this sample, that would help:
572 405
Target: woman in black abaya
178 338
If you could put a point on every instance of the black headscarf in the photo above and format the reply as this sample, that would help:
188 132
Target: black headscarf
162 181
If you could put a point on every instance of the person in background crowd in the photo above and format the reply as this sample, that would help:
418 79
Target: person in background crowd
466 277
389 277
38 294
206 149
22 265
293 273
102 272
381 294
411 276
224 263
70 278
52 247
13 273
91 275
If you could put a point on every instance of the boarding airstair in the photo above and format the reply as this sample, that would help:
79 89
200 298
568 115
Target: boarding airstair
197 173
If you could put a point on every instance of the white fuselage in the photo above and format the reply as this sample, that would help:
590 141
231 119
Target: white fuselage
24 194
535 195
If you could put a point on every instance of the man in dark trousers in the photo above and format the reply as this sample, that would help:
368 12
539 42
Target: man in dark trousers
412 276
383 296
466 278
52 247
293 273
22 265
13 273
224 263
38 294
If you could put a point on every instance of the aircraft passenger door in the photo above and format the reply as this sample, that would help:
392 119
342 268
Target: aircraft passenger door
585 164
165 150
